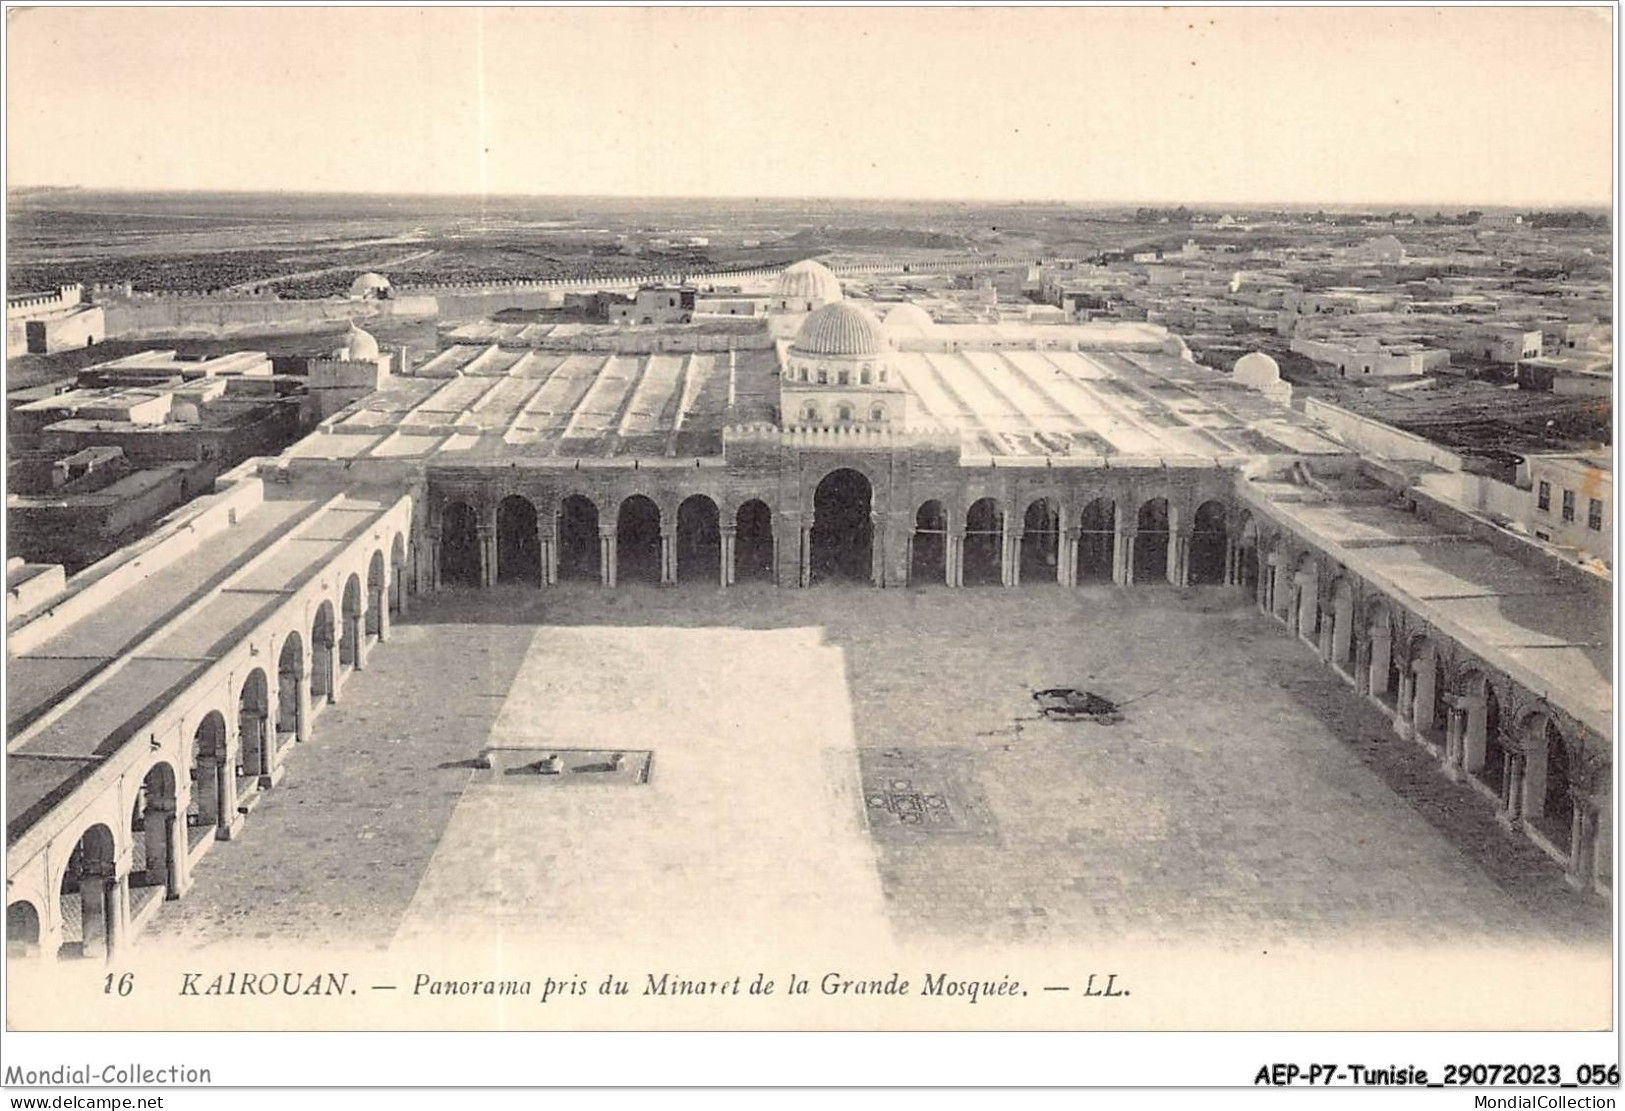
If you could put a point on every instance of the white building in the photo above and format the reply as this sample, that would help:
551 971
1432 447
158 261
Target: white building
1571 501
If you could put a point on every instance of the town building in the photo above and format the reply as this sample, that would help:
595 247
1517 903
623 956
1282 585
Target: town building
45 323
1571 501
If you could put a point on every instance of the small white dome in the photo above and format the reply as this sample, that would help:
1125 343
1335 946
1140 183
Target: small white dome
361 346
368 284
909 315
1257 369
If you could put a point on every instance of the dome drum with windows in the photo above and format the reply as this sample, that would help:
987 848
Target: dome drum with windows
838 370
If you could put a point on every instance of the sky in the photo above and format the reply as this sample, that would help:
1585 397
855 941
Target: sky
1508 106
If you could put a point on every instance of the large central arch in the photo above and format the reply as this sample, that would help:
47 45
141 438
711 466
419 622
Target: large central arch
842 548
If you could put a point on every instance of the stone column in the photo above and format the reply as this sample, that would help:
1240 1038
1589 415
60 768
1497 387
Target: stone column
1455 719
727 555
383 614
1175 570
164 851
546 555
1066 560
1013 540
1325 646
606 557
804 576
1474 739
1308 604
956 558
358 630
1377 676
225 792
434 558
1406 703
1516 766
668 558
1422 705
1123 558
1581 871
271 756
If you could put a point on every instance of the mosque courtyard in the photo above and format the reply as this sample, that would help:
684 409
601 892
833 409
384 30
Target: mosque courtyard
868 765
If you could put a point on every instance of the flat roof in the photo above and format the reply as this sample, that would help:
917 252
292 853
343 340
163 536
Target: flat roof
1539 628
120 665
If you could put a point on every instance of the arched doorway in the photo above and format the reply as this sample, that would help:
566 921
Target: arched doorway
984 544
1040 541
322 638
519 548
637 541
376 584
842 542
753 542
578 539
928 556
153 843
699 541
253 745
1556 819
1097 541
1210 545
22 930
1480 721
210 790
292 700
89 897
459 545
350 623
1151 542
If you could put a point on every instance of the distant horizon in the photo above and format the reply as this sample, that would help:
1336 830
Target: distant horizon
1195 205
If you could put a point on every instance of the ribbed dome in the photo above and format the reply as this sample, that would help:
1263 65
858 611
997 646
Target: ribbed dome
809 281
361 345
909 315
368 283
841 329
